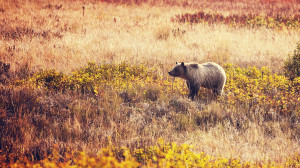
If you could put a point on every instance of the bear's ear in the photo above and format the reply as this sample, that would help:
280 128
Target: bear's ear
184 67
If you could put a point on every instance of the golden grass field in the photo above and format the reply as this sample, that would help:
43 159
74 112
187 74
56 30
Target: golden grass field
142 36
64 39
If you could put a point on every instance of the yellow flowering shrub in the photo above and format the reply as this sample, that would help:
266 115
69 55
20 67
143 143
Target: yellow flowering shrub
95 78
249 86
259 87
161 155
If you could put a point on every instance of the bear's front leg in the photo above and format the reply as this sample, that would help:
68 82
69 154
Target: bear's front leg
191 95
193 91
188 85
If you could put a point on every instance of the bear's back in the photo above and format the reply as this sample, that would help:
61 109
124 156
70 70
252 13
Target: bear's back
209 75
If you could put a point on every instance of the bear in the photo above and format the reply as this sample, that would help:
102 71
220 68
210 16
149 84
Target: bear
208 75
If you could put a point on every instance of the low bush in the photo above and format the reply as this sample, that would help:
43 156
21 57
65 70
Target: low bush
161 155
292 65
117 103
244 20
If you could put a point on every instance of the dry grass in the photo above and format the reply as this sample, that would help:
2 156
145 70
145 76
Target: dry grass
47 37
54 34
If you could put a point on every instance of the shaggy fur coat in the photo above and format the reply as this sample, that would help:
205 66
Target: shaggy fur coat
208 75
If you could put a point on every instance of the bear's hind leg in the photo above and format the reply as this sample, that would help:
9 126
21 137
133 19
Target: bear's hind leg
217 92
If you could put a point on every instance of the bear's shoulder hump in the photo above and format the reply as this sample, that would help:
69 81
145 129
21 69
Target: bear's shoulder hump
194 65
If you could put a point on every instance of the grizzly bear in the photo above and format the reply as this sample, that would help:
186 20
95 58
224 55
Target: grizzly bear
208 75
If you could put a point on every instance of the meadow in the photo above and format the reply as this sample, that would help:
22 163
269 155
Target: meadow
85 83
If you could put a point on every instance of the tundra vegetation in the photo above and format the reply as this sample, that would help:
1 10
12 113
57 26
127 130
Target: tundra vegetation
85 83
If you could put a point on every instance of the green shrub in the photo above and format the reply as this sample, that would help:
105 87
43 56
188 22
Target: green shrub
292 65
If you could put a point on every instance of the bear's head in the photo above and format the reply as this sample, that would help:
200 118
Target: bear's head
179 71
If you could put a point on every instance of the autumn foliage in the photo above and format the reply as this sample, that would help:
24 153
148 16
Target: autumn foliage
86 84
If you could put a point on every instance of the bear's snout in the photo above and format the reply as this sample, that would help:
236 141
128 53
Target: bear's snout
170 73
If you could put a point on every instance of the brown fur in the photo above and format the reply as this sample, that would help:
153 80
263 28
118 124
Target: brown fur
209 75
